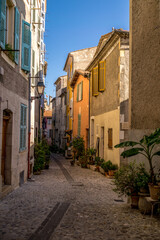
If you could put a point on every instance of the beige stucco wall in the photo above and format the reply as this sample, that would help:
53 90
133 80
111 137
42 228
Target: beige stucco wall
144 64
144 101
107 120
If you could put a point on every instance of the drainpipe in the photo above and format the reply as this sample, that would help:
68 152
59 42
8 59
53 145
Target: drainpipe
29 123
89 76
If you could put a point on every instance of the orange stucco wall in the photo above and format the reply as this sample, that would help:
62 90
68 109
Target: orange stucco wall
81 107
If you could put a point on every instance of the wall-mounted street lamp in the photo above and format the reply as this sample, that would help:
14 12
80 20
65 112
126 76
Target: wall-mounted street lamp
40 89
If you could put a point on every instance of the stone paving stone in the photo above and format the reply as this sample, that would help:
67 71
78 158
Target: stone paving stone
92 215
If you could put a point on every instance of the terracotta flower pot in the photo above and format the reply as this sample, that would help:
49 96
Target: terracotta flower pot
111 173
154 191
134 201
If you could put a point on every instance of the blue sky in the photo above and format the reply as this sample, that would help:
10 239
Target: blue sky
78 24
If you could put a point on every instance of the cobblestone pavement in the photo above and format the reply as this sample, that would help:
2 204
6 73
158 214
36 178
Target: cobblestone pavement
71 203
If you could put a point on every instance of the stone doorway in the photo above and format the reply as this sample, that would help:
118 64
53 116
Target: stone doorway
6 147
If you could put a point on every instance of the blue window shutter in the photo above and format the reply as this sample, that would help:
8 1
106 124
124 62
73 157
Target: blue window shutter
16 34
2 23
23 127
26 46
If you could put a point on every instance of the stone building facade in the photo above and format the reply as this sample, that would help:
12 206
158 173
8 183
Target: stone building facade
14 85
60 111
144 108
109 94
20 54
75 60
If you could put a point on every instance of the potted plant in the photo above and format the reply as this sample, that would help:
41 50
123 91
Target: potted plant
98 162
126 182
78 148
112 169
146 147
106 166
90 154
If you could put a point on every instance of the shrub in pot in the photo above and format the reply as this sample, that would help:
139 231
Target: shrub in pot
112 169
126 182
145 147
90 154
98 162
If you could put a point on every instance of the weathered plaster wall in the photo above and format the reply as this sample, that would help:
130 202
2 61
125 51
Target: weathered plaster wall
108 100
145 64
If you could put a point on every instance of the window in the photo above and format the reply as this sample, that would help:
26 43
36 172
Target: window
110 138
9 28
26 46
98 78
23 127
79 125
80 91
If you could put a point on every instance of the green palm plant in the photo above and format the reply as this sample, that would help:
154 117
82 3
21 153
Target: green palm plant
144 147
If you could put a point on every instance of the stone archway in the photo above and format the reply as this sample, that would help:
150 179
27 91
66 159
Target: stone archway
6 147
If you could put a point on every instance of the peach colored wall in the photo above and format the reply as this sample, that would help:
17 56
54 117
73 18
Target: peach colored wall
81 107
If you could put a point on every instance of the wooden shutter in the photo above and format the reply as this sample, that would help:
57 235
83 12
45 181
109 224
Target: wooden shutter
34 11
77 92
81 90
95 81
110 138
79 124
101 77
23 127
2 23
16 34
26 46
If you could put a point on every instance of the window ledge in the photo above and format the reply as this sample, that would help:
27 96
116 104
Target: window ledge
23 74
8 60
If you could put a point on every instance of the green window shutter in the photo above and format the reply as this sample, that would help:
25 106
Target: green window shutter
16 34
2 23
77 92
81 90
23 127
79 124
101 76
26 46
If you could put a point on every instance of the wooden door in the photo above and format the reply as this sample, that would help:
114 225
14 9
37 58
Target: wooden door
4 131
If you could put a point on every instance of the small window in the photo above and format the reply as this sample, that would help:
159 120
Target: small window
110 138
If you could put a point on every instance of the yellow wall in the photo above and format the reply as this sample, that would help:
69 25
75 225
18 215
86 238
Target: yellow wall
107 120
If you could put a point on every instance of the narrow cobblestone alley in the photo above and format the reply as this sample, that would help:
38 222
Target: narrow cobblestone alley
71 203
